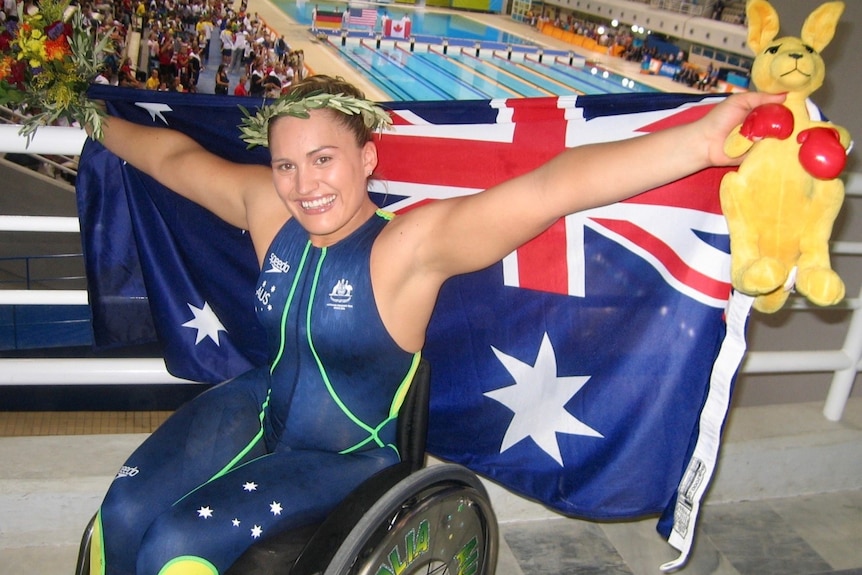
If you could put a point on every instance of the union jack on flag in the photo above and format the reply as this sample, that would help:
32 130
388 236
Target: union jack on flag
576 371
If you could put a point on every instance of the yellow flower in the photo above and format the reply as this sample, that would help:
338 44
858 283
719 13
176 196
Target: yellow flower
32 47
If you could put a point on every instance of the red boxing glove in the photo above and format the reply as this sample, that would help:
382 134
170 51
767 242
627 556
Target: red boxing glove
768 121
821 152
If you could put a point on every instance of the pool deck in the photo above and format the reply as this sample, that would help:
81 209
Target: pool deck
324 61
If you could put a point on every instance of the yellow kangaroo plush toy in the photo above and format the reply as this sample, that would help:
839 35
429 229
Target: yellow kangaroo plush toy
782 201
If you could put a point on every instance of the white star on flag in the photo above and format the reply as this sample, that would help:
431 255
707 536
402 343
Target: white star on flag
250 486
155 109
206 322
538 401
205 512
235 522
256 531
275 508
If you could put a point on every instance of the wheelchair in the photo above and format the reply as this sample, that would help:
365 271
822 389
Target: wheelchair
406 519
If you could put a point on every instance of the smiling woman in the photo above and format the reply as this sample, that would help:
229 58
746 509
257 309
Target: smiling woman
345 312
319 179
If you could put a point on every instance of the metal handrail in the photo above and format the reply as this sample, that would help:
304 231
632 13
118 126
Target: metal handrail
28 280
67 164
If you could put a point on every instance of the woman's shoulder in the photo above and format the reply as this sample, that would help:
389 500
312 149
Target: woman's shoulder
259 196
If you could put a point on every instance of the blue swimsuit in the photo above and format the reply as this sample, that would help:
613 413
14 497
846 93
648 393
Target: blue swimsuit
276 447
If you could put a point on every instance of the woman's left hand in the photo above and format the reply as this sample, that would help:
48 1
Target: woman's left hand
726 116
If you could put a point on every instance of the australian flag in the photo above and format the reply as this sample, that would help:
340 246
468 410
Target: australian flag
575 371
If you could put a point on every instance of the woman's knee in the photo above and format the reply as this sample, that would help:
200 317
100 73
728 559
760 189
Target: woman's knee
123 511
173 546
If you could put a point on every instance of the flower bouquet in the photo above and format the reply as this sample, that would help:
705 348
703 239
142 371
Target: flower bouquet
47 60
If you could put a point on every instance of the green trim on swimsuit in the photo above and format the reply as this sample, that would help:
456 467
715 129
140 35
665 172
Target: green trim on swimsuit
386 215
254 440
401 393
288 304
316 280
397 400
98 567
262 415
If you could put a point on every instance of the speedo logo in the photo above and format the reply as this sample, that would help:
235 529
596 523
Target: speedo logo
277 265
126 471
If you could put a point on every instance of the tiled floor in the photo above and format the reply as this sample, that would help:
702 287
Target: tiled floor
811 535
50 486
39 423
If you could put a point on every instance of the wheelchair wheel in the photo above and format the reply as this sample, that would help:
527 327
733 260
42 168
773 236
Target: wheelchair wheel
438 520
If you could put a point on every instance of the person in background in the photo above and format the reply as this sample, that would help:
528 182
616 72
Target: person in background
222 80
194 70
240 89
226 38
153 81
126 76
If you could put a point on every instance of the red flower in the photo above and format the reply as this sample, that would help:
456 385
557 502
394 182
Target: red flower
5 41
16 74
57 49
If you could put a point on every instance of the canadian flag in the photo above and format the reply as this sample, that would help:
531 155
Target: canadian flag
397 28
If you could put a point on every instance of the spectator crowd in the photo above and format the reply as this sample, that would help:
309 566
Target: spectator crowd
181 39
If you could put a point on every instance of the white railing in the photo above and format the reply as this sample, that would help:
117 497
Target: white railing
690 8
843 363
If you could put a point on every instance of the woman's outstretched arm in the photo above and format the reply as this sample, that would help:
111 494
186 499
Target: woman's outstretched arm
227 189
471 232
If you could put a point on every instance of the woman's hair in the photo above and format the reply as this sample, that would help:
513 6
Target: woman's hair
323 84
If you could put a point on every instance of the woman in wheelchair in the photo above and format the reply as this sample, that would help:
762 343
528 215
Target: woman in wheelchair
345 293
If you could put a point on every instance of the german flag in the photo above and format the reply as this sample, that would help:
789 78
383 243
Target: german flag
327 19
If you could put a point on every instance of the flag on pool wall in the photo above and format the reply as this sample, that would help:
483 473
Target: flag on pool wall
362 17
327 19
573 372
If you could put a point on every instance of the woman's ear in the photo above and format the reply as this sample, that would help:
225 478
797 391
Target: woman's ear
369 157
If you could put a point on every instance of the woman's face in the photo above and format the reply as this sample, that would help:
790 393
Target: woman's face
321 174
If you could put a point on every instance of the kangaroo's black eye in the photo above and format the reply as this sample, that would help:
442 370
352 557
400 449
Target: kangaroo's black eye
772 50
809 49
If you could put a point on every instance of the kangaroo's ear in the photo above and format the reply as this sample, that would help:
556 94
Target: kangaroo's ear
819 27
763 24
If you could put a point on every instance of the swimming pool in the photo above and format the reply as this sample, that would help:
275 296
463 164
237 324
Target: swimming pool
454 57
427 73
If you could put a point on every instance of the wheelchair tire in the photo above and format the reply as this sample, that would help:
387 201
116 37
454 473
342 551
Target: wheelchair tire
438 520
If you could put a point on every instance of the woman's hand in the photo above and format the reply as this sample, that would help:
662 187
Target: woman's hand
726 116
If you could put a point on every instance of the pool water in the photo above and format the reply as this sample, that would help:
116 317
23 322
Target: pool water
426 73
